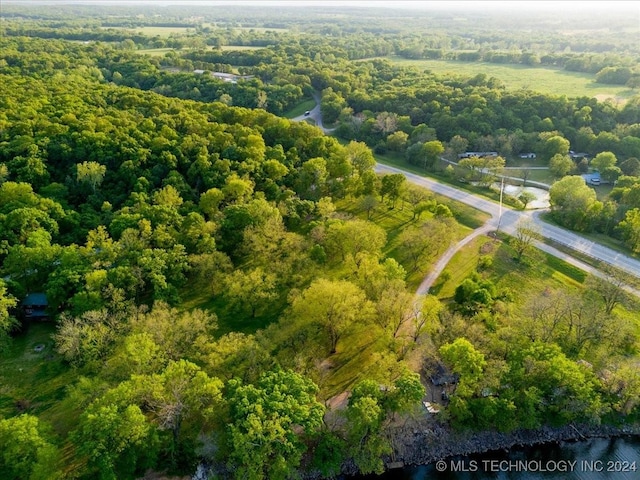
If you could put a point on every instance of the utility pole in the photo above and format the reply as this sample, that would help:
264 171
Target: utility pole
500 213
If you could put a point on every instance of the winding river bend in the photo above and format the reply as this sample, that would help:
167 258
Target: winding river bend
593 459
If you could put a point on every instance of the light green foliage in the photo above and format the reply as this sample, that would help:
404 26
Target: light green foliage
142 161
236 355
554 145
25 454
138 355
267 421
397 141
573 203
374 276
483 169
250 291
432 151
467 362
7 322
236 189
526 234
210 200
180 334
349 240
630 229
526 197
86 340
370 404
334 306
360 156
561 165
426 320
312 178
182 397
91 173
622 381
565 390
406 393
118 442
420 245
394 307
276 250
604 160
365 417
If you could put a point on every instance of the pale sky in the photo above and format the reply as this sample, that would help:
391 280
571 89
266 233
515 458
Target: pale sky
633 7
488 4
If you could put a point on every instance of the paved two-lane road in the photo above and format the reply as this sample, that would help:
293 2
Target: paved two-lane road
510 218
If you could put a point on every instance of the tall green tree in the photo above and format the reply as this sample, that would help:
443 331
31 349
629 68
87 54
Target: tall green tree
573 203
25 452
268 424
117 441
7 321
334 306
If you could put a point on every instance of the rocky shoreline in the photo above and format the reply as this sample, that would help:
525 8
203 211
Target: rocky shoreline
424 444
421 446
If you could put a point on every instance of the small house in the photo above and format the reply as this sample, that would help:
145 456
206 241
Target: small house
34 306
441 377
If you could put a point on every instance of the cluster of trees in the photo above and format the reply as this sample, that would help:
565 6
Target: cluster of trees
527 356
575 205
116 200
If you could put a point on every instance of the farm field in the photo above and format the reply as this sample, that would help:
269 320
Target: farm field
159 52
163 31
541 79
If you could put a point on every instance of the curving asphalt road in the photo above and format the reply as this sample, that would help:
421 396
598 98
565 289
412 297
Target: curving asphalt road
508 221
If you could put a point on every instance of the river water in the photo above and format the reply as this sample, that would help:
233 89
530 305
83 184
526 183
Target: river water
594 459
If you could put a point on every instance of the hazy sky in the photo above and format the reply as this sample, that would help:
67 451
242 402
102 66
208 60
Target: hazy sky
524 4
520 4
633 7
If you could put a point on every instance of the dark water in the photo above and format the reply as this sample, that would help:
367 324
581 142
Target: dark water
595 459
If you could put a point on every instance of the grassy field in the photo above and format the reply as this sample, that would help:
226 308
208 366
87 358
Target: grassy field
163 31
542 270
35 381
541 79
155 52
248 29
300 108
160 52
395 221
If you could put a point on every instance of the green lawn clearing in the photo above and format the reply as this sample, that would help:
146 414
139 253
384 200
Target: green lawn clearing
299 109
34 378
547 80
537 270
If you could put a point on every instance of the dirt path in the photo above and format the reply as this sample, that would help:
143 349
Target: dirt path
430 279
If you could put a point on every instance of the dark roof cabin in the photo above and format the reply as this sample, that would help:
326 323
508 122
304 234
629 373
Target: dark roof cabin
35 306
442 377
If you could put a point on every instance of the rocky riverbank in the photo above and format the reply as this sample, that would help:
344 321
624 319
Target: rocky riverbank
422 445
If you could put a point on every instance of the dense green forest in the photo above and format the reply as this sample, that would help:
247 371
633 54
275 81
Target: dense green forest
218 274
